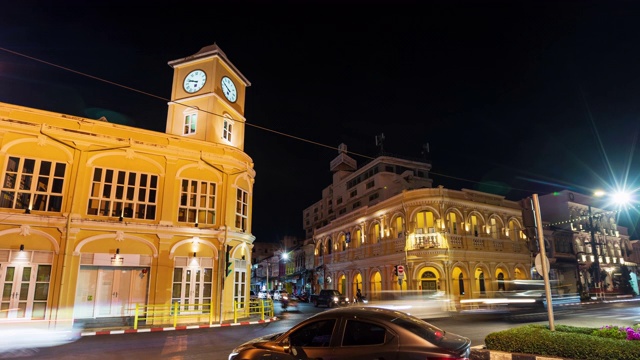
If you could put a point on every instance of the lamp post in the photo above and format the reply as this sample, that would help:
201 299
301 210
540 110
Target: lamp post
594 250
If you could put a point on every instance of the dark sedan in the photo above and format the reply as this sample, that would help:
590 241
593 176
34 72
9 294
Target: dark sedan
356 333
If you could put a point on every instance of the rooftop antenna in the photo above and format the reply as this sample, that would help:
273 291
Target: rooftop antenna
379 141
425 150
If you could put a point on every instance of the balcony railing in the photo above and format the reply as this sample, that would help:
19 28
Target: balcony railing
426 241
419 242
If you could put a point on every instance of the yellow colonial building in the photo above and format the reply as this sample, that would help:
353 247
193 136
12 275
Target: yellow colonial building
98 217
382 227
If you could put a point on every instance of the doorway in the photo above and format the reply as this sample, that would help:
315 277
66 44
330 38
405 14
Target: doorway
110 291
24 290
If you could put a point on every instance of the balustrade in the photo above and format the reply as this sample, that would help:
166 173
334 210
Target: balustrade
478 243
426 241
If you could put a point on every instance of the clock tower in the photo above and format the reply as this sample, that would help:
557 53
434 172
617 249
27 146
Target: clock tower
207 98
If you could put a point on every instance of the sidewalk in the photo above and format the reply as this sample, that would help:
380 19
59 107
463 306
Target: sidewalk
92 331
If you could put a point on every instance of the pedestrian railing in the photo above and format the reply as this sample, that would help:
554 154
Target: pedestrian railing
197 313
262 307
172 313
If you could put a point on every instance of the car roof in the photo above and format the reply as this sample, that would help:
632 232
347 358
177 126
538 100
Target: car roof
364 311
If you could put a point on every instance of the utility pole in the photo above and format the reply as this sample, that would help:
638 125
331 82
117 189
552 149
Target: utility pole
544 261
532 222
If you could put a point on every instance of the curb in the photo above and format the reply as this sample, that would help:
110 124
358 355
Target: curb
477 353
173 328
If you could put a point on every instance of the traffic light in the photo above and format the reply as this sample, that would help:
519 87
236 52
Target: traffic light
530 229
395 270
229 270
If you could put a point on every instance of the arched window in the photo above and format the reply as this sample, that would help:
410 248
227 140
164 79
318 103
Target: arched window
425 222
342 244
501 281
356 238
475 225
483 290
375 234
494 230
513 230
452 220
399 227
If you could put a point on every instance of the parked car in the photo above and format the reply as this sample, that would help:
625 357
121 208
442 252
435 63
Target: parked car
253 295
329 298
358 333
264 295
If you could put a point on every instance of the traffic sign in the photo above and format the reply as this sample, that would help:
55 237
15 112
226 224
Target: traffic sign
400 270
538 264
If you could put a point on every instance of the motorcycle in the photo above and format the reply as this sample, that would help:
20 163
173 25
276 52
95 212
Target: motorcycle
304 297
287 303
361 299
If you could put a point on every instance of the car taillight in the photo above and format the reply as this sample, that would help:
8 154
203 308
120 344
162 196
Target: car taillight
438 335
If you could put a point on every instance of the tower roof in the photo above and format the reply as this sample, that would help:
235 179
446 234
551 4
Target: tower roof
210 51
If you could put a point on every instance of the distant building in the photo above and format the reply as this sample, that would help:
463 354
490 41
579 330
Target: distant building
584 236
98 217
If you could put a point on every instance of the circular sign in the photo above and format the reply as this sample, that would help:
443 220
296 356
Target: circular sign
538 263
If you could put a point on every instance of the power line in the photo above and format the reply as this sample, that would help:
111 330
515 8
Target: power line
219 115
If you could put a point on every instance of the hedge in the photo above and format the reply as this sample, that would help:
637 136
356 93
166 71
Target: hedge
569 342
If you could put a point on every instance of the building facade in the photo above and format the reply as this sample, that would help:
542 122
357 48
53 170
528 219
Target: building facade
585 240
98 217
382 227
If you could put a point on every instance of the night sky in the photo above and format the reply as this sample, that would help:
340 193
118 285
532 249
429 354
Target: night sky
513 98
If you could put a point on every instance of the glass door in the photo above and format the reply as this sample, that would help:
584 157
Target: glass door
24 291
192 288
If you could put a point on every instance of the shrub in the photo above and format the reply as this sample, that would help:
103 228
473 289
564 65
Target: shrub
611 332
618 332
566 341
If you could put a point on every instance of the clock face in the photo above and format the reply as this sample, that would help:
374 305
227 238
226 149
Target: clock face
229 89
194 81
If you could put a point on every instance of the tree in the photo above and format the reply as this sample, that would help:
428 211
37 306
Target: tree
625 281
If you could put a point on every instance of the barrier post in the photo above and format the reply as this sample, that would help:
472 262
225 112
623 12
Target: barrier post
235 312
135 318
175 313
210 314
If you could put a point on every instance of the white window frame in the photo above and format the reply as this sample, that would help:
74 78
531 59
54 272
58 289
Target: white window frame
26 182
190 123
115 197
227 129
242 209
240 282
197 202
